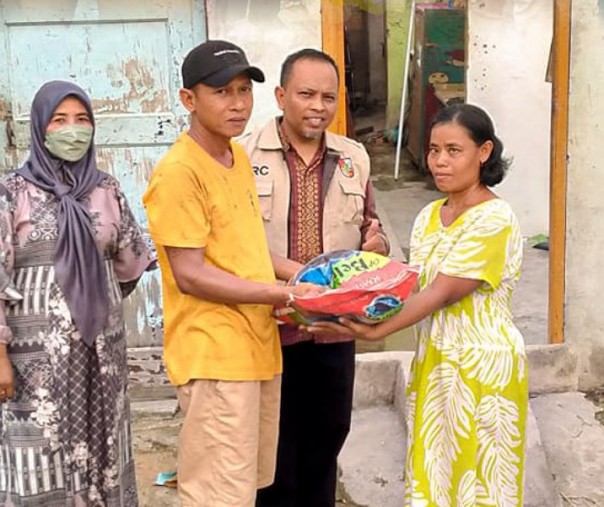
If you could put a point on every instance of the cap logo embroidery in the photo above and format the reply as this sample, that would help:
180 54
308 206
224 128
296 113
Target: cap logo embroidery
226 51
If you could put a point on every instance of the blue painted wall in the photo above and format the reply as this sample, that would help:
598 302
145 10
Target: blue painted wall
127 56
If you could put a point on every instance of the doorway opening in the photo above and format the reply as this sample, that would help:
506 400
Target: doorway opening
363 36
365 67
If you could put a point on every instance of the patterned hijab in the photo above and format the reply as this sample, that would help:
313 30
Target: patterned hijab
78 263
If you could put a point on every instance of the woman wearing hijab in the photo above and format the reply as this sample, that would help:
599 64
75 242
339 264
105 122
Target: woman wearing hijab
70 250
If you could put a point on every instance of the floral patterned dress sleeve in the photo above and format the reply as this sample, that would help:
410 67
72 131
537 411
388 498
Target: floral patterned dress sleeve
8 293
133 256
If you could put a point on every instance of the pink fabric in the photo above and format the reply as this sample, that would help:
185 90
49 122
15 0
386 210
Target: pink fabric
112 221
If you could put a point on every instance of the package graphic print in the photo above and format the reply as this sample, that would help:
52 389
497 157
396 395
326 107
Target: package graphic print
364 286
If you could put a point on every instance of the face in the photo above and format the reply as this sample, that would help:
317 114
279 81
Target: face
69 112
222 112
309 99
454 158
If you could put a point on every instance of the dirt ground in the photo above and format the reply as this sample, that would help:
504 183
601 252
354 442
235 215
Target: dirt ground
155 440
155 444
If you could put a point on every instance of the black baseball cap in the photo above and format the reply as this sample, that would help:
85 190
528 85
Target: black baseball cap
215 63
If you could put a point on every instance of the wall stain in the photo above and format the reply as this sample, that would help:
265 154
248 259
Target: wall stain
141 88
5 111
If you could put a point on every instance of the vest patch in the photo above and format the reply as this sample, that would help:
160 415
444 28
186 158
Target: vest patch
345 165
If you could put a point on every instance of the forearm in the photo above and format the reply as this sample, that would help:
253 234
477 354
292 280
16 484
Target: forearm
213 284
415 309
284 268
6 333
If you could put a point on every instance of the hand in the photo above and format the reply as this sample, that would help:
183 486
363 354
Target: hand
303 289
374 239
306 289
7 379
345 327
286 293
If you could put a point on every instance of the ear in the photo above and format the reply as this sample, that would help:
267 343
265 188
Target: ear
280 96
485 151
187 99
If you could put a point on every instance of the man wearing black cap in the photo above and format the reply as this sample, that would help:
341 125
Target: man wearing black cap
221 345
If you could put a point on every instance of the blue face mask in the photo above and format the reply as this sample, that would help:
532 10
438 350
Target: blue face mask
69 143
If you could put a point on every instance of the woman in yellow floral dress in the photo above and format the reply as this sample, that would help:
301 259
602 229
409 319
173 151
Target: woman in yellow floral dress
468 393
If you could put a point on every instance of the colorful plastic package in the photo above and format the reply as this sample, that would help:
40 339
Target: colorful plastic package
364 286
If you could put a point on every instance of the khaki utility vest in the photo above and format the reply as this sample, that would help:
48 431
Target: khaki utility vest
345 176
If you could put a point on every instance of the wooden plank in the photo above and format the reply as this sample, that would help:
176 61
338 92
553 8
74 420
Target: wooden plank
557 260
332 29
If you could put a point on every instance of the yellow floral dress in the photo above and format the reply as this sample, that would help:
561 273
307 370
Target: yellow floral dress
468 393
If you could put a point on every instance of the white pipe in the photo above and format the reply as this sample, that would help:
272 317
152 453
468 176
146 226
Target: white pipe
401 120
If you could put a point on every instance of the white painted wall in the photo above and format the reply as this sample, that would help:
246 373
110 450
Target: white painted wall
584 318
508 50
267 38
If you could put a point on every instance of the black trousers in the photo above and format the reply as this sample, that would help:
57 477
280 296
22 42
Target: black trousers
316 405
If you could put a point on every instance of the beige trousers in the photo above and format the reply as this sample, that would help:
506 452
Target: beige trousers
228 442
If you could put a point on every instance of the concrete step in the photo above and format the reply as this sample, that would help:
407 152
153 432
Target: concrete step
573 441
154 408
539 486
372 462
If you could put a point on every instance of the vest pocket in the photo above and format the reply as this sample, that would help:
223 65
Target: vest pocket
352 201
265 198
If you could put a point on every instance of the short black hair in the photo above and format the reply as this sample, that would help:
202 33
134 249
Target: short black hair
305 54
480 127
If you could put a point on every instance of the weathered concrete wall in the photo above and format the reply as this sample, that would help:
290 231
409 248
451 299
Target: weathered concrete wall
397 29
376 28
585 207
508 50
268 31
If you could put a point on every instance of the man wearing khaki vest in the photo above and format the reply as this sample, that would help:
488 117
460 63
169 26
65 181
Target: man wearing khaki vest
315 197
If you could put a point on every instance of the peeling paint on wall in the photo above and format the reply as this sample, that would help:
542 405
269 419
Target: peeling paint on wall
127 57
142 87
7 151
4 109
132 167
147 374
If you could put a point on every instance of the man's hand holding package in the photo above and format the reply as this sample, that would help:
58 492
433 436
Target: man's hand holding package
374 239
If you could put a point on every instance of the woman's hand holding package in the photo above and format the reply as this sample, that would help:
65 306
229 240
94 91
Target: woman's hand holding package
345 327
7 376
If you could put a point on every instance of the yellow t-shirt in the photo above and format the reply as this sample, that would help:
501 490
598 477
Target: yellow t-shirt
194 202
